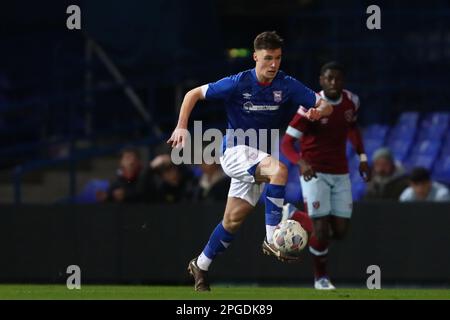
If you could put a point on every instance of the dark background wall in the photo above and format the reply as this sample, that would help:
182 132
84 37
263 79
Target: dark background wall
153 244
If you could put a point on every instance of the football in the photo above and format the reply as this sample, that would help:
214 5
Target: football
290 237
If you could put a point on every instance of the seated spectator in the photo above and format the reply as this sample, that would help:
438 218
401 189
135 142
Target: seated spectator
164 182
214 183
422 188
124 188
388 177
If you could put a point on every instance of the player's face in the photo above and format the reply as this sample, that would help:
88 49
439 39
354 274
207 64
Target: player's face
267 64
332 83
421 189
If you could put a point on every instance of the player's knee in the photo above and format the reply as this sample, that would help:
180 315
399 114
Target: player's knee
322 235
280 172
231 223
339 233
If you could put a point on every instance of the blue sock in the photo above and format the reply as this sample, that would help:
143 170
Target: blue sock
218 242
274 206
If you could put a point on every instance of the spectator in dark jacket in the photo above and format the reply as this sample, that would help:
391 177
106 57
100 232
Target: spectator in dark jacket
388 177
164 182
214 183
124 187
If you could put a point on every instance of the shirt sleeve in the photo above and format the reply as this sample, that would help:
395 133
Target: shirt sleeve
443 195
406 195
301 95
220 90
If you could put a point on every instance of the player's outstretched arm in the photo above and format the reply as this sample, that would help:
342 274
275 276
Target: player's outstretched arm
322 109
178 136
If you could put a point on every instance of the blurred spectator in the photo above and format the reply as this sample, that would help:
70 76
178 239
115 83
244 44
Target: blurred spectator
124 188
388 177
164 182
422 188
214 183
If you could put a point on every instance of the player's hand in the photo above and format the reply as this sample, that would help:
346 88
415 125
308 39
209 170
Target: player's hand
178 137
307 171
364 171
313 114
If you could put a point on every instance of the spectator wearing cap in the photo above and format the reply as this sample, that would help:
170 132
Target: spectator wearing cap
388 177
422 188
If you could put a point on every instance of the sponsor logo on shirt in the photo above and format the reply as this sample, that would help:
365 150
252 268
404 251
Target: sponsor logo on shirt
277 96
248 106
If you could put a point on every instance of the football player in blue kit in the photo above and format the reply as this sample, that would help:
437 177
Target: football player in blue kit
256 99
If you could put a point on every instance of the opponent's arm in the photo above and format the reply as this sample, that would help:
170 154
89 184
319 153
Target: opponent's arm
355 137
178 136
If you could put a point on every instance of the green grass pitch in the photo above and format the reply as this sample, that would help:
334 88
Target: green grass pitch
219 292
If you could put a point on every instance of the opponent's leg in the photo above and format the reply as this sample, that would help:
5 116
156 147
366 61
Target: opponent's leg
339 227
235 213
318 246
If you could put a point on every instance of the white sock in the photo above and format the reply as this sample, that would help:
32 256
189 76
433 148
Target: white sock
269 233
203 262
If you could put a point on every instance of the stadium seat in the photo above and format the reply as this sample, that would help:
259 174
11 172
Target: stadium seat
87 195
420 160
427 147
408 119
358 190
434 125
404 132
376 132
441 171
400 148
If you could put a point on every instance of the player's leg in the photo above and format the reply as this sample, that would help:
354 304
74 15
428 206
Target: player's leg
235 213
339 227
316 194
341 207
275 173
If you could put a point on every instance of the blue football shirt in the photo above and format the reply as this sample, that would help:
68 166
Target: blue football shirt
255 106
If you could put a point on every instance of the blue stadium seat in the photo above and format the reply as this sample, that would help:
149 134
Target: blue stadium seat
358 190
87 195
400 148
402 132
376 132
420 160
441 170
427 147
434 125
408 119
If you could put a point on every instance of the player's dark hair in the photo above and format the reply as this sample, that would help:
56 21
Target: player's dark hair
419 174
332 65
268 40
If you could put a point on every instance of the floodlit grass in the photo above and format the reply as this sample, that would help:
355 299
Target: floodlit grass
219 292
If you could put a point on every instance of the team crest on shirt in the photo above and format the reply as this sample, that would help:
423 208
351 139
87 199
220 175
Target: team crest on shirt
316 204
348 115
277 96
247 95
324 120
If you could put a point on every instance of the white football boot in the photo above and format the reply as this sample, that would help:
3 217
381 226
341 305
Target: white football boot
323 284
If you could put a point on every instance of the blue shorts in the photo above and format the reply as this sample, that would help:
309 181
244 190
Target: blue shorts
328 194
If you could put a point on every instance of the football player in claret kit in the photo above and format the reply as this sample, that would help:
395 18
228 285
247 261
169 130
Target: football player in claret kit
323 164
256 99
